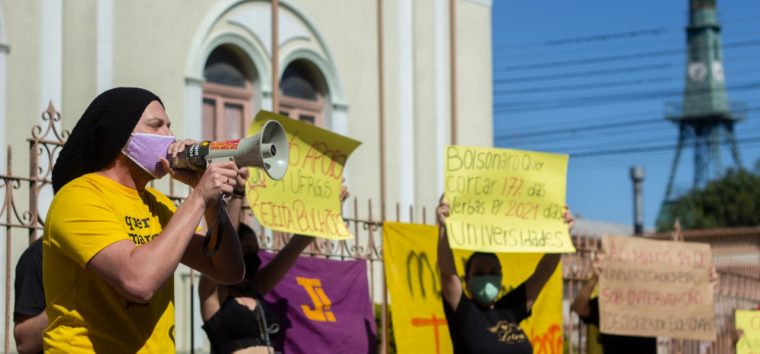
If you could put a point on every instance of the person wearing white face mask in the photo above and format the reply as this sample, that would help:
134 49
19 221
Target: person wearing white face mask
487 323
111 244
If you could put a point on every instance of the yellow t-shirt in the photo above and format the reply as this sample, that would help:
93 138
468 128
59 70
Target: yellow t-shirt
86 314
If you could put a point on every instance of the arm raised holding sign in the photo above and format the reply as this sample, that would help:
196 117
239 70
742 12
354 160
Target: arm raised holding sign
227 309
483 274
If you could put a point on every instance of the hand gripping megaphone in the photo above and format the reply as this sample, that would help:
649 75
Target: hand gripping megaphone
267 150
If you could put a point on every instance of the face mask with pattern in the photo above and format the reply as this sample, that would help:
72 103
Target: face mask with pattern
146 150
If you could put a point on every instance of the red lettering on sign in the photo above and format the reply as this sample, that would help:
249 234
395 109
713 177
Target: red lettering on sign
432 321
549 342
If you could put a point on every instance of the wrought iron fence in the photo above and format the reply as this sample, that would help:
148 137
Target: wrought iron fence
739 286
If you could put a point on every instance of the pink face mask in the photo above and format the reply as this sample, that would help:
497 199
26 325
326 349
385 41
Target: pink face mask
146 150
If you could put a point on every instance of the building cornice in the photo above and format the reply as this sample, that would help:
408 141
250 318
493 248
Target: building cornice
486 3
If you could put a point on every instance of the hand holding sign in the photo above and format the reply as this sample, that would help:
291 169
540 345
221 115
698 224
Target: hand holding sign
307 200
505 200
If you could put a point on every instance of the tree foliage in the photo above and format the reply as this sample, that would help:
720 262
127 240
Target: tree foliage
731 201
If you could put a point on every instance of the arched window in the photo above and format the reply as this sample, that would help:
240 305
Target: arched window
302 92
227 94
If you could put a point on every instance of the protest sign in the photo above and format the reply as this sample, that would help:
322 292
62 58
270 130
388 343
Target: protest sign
749 323
322 306
307 200
656 288
411 268
506 200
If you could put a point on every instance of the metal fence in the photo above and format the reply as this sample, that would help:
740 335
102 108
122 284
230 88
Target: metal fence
736 256
736 252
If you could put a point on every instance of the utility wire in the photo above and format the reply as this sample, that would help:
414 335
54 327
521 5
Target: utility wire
625 35
572 102
589 73
731 63
592 38
596 127
621 57
623 151
586 128
591 47
590 86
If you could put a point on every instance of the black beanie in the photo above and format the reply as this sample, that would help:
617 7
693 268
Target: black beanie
101 133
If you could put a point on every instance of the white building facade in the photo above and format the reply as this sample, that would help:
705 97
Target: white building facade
211 63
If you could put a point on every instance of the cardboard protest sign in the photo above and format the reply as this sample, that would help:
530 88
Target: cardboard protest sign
411 268
307 200
749 323
656 288
506 200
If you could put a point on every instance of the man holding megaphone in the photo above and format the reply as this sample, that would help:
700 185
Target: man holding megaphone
111 244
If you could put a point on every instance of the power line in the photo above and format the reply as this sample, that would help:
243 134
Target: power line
585 128
589 73
571 102
500 55
633 150
593 120
730 63
628 137
611 36
621 57
592 38
599 85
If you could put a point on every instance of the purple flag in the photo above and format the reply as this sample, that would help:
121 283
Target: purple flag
323 306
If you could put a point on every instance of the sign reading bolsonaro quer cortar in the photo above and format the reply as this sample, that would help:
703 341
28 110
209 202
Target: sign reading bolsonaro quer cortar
504 200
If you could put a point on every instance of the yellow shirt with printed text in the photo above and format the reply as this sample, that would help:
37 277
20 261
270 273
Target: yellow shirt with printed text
86 314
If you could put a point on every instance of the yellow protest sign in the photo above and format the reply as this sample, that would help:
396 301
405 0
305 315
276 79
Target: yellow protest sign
411 268
307 200
506 200
749 322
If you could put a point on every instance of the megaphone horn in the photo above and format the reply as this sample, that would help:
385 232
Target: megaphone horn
267 150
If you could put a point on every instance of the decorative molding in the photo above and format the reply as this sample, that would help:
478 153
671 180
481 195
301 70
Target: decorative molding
485 3
325 66
260 59
295 39
194 80
340 107
194 63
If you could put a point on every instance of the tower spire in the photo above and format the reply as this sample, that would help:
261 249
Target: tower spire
705 118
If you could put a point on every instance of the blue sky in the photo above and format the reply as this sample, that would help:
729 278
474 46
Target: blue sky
525 33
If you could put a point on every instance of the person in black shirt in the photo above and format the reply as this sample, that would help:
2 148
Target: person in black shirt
485 323
588 310
234 318
29 317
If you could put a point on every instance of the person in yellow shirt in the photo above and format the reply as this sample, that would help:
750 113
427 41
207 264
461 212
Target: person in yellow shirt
111 244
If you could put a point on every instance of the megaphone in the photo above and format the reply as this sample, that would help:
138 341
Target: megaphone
267 150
